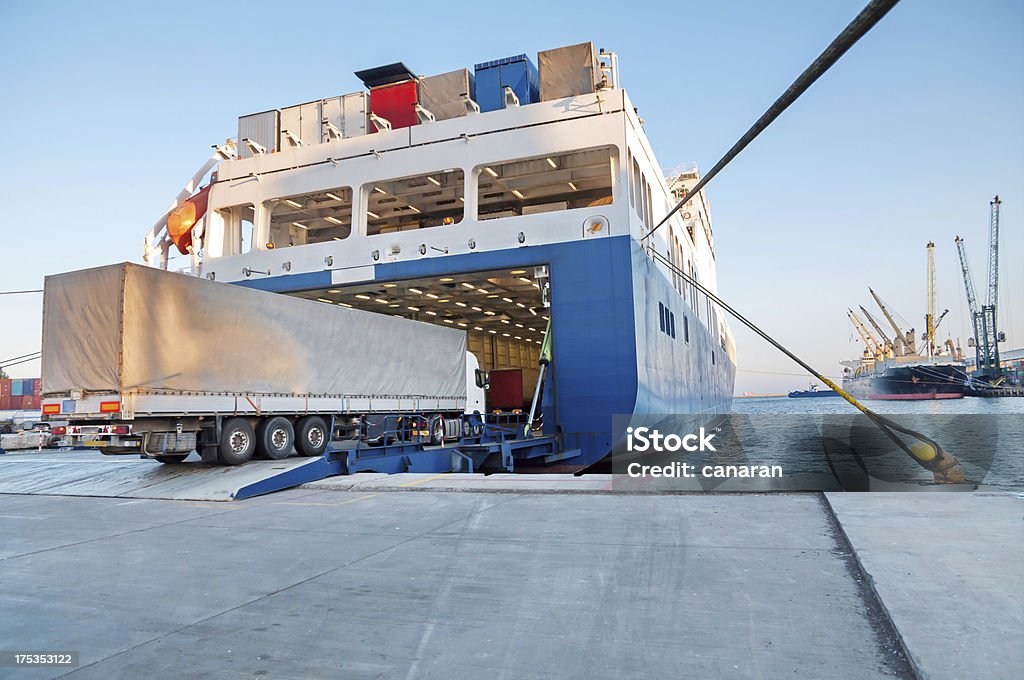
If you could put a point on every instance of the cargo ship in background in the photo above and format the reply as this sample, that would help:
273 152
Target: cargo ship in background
894 366
513 202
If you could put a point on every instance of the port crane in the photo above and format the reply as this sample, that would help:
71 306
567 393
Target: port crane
986 337
871 343
904 341
887 343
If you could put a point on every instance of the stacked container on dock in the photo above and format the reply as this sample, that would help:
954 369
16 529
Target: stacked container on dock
518 73
5 394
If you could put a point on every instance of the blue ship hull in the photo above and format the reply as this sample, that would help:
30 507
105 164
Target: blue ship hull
610 354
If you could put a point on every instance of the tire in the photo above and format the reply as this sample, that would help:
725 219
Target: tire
237 442
311 436
437 430
172 459
275 438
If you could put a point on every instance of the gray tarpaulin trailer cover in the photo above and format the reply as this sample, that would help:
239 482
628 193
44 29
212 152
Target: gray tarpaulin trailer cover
128 328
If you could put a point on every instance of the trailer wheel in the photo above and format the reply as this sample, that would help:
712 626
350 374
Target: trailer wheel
172 459
237 442
311 436
274 438
437 430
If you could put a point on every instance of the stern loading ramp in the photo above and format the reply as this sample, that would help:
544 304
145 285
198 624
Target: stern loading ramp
91 473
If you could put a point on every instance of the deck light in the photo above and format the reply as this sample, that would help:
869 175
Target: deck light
506 335
477 309
461 325
326 300
431 313
519 325
336 197
509 300
379 190
478 328
431 295
390 285
448 320
299 225
468 285
294 204
383 301
413 309
492 295
517 193
489 313
433 181
416 290
525 280
373 215
337 238
533 311
521 305
491 172
333 220
361 296
461 304
414 209
446 280
552 163
334 290
393 305
505 321
492 331
573 186
345 304
444 301
517 272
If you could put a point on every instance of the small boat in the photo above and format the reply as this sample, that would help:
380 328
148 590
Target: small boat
812 392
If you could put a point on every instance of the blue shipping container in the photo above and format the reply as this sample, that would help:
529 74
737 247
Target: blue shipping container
517 72
16 388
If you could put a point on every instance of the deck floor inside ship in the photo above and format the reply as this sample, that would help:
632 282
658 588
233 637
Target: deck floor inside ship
396 583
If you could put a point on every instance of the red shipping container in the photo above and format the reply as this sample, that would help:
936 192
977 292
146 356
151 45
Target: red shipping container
506 391
5 403
5 387
396 104
37 385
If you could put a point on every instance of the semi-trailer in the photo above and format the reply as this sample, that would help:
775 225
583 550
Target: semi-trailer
142 360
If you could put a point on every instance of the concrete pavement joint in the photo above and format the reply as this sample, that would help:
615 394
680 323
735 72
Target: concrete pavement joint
882 617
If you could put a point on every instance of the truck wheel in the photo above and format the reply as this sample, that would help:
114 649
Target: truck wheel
274 438
172 459
311 436
237 442
437 430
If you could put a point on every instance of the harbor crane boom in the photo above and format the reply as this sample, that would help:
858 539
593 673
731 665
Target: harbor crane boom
929 319
874 324
900 335
869 340
983 321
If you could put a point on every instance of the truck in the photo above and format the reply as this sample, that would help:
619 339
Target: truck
142 360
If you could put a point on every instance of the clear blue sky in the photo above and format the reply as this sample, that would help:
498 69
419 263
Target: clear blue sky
109 107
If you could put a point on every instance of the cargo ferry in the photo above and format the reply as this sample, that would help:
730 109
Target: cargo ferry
511 201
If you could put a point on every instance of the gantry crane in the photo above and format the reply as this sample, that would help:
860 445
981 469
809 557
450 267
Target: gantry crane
986 334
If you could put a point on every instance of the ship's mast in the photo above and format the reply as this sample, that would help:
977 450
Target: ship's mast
929 318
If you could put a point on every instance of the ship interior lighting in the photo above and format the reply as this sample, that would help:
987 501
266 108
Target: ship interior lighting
514 305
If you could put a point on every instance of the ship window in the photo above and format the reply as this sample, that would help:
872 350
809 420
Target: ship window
638 188
551 183
238 223
432 200
672 324
629 165
686 328
310 218
661 316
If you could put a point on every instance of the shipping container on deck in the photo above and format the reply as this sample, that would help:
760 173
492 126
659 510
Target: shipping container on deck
568 71
301 122
393 94
518 73
442 94
261 128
